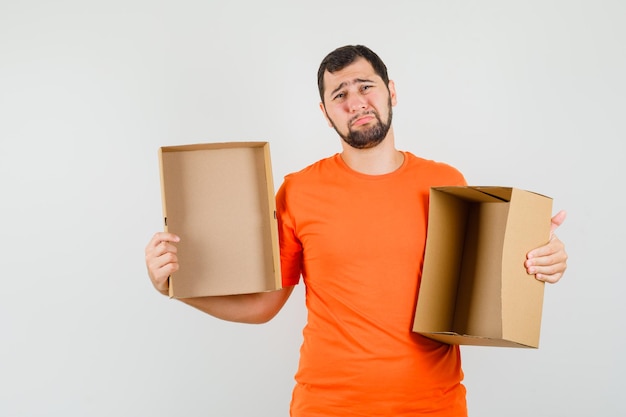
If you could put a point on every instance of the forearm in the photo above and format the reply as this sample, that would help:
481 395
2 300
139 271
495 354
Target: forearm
242 308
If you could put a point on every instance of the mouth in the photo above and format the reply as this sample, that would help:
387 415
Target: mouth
362 119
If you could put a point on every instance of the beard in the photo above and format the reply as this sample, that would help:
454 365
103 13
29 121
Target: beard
369 137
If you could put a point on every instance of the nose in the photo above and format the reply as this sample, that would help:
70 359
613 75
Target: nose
356 103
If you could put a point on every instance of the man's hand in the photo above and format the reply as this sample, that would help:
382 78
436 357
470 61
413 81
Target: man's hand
548 262
161 259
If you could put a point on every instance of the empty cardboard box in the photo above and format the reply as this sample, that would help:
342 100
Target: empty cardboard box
219 198
474 287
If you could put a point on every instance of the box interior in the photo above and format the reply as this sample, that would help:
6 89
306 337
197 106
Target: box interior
478 302
219 199
474 287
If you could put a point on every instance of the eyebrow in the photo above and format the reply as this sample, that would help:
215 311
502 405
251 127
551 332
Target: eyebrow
345 83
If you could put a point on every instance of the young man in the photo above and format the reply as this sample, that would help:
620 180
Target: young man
353 226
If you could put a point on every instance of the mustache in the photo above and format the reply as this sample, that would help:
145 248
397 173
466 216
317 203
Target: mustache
365 113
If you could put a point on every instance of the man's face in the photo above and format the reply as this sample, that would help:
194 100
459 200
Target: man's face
357 104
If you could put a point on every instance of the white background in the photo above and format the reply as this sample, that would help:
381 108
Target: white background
530 94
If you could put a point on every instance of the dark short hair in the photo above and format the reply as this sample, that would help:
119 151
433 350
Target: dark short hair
346 55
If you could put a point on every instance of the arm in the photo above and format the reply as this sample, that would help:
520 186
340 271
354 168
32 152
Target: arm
254 308
549 262
161 261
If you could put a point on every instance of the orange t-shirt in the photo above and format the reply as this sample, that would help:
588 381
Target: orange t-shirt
358 242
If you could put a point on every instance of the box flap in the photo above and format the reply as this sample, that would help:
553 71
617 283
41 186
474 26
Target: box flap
457 339
503 193
478 194
528 227
444 247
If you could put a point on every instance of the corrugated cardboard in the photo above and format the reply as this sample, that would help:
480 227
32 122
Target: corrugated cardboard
219 198
474 288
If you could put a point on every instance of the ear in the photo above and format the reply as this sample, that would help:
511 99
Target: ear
392 92
323 109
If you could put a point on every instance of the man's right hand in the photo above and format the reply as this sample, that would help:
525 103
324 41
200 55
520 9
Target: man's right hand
162 262
161 259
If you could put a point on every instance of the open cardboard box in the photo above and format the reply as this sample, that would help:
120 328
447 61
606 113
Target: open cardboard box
474 287
219 198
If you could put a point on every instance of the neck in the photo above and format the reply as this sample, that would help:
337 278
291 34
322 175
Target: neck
379 160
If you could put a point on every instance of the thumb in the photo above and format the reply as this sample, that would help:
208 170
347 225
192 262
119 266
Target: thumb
558 220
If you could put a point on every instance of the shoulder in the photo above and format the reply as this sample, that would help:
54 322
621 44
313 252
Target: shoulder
306 182
312 173
437 172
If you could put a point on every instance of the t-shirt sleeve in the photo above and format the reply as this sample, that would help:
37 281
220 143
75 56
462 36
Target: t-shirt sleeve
450 176
461 179
290 245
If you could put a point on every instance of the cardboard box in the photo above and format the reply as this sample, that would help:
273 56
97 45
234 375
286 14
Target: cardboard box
474 288
219 198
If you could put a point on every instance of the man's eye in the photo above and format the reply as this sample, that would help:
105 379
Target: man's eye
339 96
366 87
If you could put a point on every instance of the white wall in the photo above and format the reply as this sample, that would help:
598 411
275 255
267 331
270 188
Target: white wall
528 94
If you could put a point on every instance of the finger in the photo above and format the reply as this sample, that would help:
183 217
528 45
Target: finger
554 245
550 273
548 268
161 268
163 237
161 261
163 273
557 220
558 257
163 248
156 258
159 244
549 278
158 262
